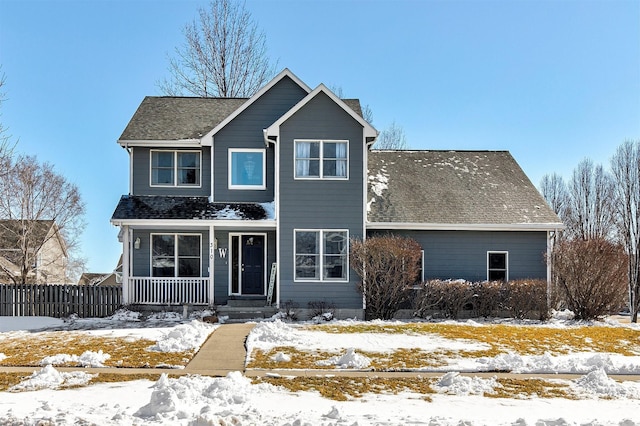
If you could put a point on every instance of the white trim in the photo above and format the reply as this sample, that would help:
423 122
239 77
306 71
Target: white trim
195 223
177 144
175 169
250 101
320 159
212 263
175 252
422 266
506 262
274 129
262 151
466 226
276 198
321 255
230 254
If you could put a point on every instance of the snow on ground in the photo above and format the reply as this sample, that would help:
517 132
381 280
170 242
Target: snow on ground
234 400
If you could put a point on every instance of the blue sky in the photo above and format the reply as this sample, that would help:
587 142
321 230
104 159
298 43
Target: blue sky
551 81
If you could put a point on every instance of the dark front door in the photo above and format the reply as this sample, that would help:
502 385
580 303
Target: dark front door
252 267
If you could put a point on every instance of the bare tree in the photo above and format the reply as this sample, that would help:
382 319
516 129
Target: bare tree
625 169
6 147
223 55
392 138
589 209
388 266
554 191
32 197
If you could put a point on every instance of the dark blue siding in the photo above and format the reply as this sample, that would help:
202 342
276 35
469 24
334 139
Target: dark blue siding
319 204
245 131
463 254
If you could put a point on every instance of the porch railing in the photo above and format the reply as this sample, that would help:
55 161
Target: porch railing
168 291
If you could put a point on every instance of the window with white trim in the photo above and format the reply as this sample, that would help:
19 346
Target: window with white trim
321 255
175 255
497 266
247 169
321 159
175 168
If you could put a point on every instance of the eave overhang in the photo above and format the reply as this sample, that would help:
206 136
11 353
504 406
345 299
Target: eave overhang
465 226
181 143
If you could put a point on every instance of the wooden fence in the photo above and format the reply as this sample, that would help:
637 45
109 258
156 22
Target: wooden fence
59 301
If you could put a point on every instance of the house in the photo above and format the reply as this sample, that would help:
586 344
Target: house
256 200
111 279
33 248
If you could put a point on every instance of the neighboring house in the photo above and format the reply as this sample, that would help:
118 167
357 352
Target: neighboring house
222 189
36 244
112 279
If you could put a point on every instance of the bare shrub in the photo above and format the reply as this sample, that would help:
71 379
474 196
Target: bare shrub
591 276
448 297
322 309
523 298
388 267
289 310
487 297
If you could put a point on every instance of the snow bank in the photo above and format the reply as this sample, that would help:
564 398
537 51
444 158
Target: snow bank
598 384
50 378
576 363
350 359
28 323
453 383
184 337
87 359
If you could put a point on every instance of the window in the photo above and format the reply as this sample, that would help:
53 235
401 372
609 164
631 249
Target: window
321 255
175 168
175 255
497 266
247 169
321 159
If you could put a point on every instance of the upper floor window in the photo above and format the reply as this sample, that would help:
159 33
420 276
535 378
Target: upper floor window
497 266
320 159
175 168
247 169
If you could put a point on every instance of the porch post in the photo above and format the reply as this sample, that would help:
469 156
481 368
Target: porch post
125 264
212 260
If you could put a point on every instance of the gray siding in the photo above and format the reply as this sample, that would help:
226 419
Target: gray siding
142 175
463 254
142 256
245 131
319 204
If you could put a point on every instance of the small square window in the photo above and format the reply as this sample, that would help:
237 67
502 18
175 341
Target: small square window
247 169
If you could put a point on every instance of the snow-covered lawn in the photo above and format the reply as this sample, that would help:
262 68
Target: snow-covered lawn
449 398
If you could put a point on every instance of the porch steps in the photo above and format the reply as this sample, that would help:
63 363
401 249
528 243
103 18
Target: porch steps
245 313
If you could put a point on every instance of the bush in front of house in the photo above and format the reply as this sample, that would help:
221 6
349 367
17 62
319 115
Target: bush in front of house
388 266
590 277
450 298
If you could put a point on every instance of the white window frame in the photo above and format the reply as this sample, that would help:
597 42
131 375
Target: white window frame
321 255
321 159
176 258
506 263
264 169
175 169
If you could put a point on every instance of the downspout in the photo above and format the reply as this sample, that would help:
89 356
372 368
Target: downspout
130 151
276 201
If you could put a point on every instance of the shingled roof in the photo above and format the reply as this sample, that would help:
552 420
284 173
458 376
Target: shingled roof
134 207
452 188
165 118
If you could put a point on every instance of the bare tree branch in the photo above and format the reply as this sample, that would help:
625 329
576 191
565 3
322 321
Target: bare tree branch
392 138
223 55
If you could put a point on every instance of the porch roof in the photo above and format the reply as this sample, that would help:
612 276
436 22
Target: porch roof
162 207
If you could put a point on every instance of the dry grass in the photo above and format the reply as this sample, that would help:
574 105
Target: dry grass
346 388
29 349
8 380
349 388
524 340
